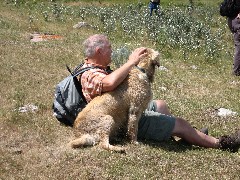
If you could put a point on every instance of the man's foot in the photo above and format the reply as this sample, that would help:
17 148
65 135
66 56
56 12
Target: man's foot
231 142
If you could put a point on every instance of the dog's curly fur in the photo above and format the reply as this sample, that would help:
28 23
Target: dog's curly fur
123 107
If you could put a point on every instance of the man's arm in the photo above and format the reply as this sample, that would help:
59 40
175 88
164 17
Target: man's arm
111 81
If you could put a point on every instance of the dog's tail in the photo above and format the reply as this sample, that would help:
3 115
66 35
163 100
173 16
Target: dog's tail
83 141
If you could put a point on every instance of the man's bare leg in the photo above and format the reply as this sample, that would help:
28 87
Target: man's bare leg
193 136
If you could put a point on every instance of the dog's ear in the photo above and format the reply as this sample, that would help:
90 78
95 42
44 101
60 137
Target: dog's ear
155 54
155 57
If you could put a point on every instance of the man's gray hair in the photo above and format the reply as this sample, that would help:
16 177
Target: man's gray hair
90 44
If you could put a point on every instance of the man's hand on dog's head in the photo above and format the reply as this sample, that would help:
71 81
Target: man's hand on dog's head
137 54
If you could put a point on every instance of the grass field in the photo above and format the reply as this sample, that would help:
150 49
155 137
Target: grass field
196 51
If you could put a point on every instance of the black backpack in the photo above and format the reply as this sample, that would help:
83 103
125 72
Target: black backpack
69 99
228 8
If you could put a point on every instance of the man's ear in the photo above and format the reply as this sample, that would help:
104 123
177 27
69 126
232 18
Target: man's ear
98 50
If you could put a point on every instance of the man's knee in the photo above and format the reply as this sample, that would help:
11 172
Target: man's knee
162 107
180 127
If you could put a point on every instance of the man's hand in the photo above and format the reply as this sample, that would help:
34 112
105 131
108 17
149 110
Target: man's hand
111 81
136 55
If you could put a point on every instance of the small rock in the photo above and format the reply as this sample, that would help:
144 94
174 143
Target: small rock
81 24
28 108
225 112
162 68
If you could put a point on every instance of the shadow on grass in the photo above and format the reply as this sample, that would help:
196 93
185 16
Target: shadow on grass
171 145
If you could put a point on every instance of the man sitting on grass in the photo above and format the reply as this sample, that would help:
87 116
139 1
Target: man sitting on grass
156 123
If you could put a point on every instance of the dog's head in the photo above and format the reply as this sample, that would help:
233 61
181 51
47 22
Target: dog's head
149 62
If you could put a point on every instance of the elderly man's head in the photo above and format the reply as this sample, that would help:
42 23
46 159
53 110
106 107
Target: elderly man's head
98 47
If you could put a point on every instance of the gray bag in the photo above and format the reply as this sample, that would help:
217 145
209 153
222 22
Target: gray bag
69 99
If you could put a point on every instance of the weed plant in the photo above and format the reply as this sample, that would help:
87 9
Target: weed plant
186 28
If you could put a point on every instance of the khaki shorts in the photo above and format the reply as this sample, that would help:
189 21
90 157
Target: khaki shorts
155 126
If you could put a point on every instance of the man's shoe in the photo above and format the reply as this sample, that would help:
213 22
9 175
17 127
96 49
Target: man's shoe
231 142
204 130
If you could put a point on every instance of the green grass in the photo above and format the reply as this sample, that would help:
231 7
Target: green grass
33 145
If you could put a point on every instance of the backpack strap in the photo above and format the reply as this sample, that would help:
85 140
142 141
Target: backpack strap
77 71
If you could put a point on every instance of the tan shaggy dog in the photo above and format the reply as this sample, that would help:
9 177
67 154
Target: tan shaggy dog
123 107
